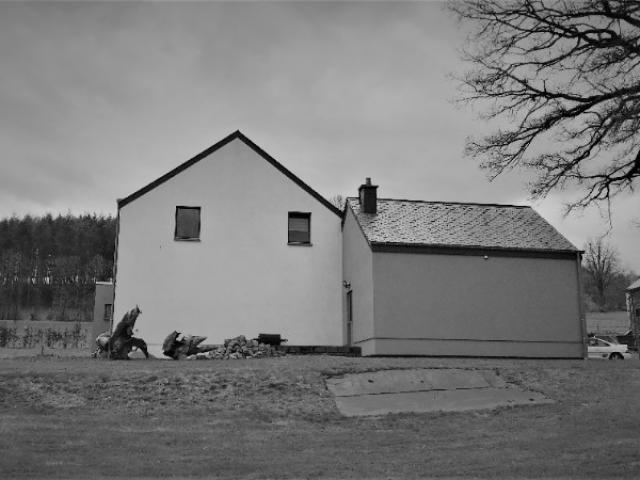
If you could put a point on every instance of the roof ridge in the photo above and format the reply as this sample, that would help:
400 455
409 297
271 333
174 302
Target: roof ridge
506 205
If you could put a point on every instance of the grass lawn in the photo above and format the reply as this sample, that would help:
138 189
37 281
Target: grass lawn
274 418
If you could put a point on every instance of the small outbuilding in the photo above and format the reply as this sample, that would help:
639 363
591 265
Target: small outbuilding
102 310
446 278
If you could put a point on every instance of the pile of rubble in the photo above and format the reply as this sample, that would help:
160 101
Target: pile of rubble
240 347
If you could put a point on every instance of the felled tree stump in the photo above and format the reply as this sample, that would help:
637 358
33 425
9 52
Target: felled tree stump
122 341
176 346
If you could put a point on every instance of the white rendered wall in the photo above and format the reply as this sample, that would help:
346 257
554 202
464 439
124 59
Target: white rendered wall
358 272
241 278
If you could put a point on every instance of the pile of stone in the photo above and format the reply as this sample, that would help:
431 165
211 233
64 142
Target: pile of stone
240 347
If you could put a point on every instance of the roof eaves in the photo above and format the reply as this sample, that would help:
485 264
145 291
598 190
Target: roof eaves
343 214
289 174
167 176
470 249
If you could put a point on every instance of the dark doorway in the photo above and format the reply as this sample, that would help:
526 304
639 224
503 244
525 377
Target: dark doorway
349 317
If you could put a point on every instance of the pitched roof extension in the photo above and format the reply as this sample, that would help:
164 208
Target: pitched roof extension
412 223
235 135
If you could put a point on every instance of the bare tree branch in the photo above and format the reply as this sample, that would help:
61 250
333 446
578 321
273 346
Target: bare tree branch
566 77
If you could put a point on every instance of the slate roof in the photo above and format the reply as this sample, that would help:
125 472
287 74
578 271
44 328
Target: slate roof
465 225
634 286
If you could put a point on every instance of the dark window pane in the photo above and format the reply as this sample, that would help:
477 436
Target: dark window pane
187 222
299 227
299 237
299 224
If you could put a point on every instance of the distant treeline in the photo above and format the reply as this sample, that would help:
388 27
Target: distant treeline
613 296
52 264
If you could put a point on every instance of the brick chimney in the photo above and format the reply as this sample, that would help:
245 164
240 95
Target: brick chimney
368 197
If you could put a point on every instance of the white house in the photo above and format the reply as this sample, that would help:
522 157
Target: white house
231 242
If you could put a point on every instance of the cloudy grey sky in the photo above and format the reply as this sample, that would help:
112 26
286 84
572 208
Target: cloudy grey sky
98 99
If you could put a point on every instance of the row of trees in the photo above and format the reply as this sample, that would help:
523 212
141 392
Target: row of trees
52 263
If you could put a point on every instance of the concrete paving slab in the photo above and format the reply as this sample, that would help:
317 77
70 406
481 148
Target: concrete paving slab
396 381
436 401
426 390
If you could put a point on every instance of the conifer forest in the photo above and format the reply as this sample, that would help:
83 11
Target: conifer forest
49 265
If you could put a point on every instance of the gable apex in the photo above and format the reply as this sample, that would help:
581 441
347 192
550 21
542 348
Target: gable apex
205 153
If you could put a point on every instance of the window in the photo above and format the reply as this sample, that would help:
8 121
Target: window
187 223
108 312
299 228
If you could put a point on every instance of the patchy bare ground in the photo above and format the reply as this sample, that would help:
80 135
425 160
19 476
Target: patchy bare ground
273 418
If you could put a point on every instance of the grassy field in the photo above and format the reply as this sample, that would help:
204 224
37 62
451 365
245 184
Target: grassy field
274 418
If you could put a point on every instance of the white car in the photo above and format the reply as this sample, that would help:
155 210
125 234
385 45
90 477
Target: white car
599 348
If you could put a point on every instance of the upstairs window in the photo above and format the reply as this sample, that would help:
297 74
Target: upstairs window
299 228
187 223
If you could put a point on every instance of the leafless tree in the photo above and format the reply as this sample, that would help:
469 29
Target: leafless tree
601 264
563 77
338 201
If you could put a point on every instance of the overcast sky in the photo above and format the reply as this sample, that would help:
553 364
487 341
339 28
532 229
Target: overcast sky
99 99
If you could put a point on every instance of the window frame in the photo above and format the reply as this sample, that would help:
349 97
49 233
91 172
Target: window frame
297 214
175 232
107 313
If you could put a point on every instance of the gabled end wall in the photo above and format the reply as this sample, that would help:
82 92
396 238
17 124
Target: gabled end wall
241 277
